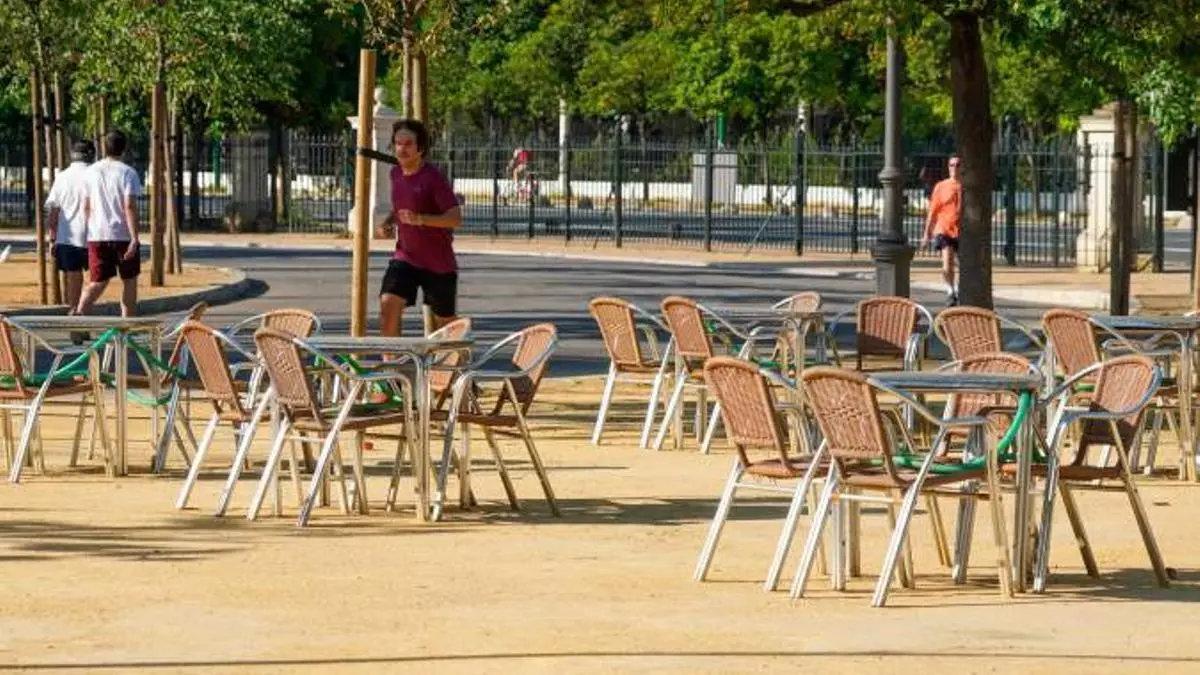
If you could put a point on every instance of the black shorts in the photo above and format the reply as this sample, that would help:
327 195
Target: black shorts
941 241
439 290
70 258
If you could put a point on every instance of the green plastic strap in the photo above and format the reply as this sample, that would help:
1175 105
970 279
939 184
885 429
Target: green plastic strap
394 399
64 373
155 362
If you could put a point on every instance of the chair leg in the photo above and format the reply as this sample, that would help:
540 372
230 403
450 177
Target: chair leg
939 530
194 470
1081 538
77 441
1152 449
1143 523
14 475
337 472
6 423
264 481
248 431
466 498
718 521
964 525
605 400
360 476
788 533
652 405
813 541
294 471
535 457
896 546
669 414
501 469
902 574
713 422
1041 568
327 449
837 544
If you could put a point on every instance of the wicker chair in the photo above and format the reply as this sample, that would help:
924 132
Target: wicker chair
514 389
231 402
888 327
754 421
292 386
692 327
299 322
974 330
26 391
805 301
847 412
620 322
1112 418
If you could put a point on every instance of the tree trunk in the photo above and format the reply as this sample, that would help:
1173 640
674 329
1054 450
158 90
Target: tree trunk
644 162
174 259
197 139
49 124
62 112
971 97
157 177
406 107
420 70
39 217
1119 221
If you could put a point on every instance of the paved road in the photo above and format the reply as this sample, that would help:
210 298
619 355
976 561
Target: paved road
504 293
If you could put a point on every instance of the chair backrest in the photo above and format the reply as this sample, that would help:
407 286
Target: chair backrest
299 322
211 364
968 331
1073 337
618 329
195 313
440 379
885 324
748 406
966 405
686 324
10 360
1122 383
285 366
847 411
806 301
536 343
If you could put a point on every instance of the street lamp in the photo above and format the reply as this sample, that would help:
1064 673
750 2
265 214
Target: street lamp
891 253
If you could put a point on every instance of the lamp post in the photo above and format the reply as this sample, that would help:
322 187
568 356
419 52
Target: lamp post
891 253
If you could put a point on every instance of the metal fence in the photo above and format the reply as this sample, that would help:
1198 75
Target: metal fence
1050 199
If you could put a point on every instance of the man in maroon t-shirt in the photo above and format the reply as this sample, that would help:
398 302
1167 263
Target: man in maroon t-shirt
425 214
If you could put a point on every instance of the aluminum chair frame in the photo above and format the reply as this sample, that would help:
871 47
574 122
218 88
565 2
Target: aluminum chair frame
621 371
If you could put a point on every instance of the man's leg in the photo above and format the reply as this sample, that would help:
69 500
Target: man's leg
129 297
948 271
90 294
74 289
391 314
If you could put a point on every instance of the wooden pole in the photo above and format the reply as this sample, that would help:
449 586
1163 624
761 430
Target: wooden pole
420 111
362 194
1118 260
157 177
62 114
174 264
39 218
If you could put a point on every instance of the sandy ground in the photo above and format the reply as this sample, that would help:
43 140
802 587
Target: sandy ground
18 282
106 575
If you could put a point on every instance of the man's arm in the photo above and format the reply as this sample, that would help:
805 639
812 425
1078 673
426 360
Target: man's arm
449 220
52 225
131 217
929 219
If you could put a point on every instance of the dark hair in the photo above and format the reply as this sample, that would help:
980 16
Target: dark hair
417 129
114 143
83 151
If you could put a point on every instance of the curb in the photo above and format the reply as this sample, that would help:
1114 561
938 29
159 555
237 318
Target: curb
1047 296
213 295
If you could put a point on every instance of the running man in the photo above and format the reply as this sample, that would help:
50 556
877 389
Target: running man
945 214
518 169
425 214
64 220
110 210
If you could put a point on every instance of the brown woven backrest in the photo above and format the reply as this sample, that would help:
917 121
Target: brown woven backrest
10 361
885 324
211 364
1073 337
1122 382
687 327
848 414
968 331
969 404
298 322
807 301
285 367
618 329
440 380
535 341
747 404
194 314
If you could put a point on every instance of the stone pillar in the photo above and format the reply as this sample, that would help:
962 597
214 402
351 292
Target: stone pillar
1096 133
249 209
381 186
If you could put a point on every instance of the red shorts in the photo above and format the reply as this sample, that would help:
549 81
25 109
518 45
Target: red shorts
105 261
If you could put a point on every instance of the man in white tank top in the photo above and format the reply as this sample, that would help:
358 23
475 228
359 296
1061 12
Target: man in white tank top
64 220
110 209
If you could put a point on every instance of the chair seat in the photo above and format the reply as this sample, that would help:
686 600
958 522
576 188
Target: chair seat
363 416
650 367
795 467
1067 472
56 389
876 478
483 420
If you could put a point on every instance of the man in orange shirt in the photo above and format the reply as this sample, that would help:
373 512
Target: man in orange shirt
945 212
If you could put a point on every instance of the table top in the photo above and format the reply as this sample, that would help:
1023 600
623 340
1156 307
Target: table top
420 346
87 322
759 312
953 381
1169 322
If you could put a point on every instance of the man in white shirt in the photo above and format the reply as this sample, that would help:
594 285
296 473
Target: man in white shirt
64 220
110 209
